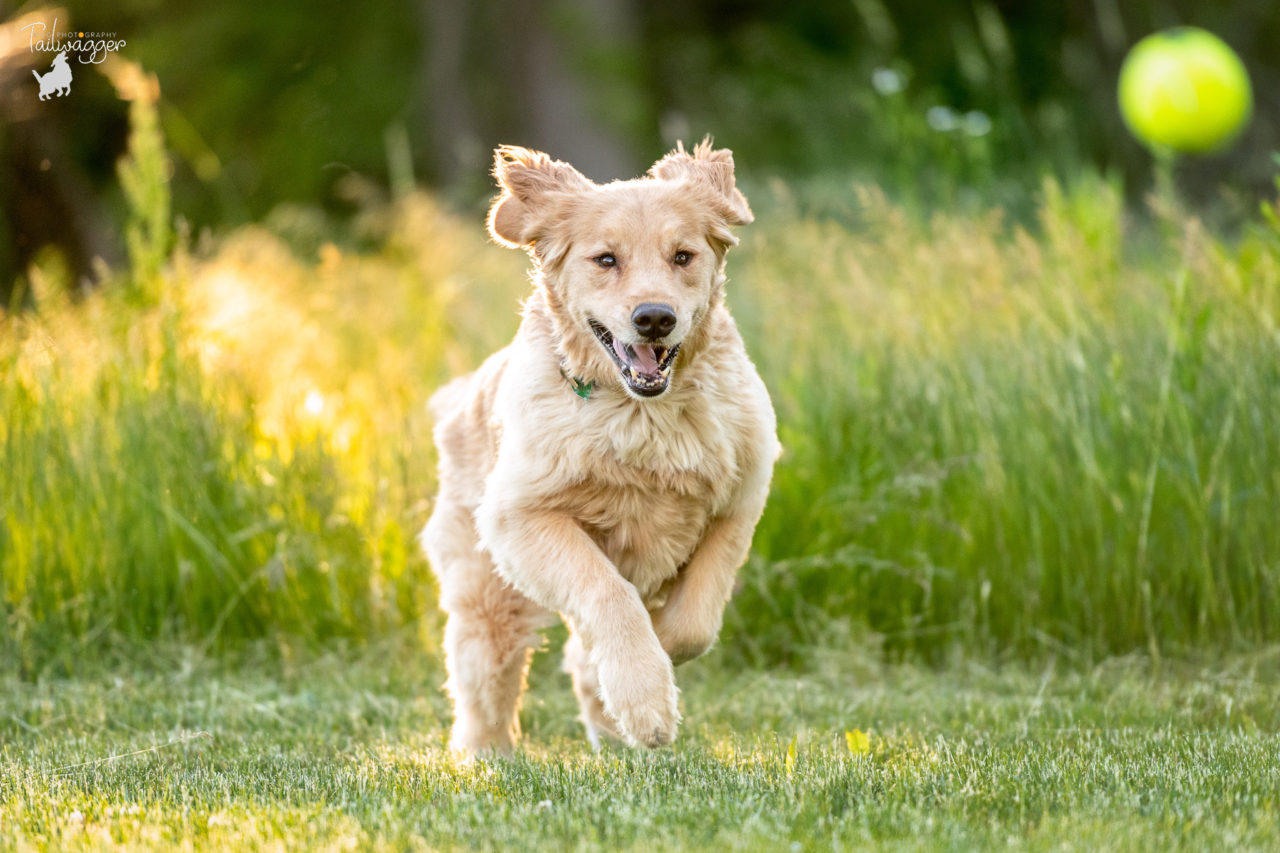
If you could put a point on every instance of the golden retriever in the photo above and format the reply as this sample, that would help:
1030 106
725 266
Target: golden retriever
612 462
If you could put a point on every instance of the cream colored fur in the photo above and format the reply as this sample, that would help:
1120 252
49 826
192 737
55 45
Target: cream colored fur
628 516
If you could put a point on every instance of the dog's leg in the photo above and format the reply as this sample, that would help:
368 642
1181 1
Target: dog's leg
488 660
552 560
488 640
586 686
689 620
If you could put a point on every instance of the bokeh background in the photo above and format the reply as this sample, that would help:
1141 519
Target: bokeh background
1028 378
938 102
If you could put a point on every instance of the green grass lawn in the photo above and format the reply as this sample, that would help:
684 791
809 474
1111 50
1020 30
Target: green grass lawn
343 752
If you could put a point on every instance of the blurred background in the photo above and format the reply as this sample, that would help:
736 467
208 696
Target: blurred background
1027 377
940 103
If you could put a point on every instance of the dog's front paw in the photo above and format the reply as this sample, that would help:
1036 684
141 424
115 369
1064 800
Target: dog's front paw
683 637
641 695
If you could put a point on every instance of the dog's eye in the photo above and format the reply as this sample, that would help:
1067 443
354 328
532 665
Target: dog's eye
606 260
682 258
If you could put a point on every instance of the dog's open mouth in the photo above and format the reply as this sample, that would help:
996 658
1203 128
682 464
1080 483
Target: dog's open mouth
646 368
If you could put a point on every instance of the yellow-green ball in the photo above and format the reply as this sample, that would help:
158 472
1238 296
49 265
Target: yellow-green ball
1184 89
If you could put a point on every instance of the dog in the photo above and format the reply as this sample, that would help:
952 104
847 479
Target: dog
55 82
611 463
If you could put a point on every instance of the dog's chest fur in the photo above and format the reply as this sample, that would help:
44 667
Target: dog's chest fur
647 480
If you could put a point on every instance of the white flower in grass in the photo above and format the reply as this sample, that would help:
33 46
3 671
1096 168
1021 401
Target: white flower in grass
886 81
977 123
942 119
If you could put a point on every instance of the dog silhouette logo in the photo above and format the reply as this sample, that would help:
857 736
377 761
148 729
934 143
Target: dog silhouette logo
55 82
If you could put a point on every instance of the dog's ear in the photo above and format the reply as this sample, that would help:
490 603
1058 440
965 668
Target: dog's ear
713 169
531 183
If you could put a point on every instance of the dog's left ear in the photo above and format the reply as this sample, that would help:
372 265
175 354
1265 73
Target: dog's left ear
532 184
711 168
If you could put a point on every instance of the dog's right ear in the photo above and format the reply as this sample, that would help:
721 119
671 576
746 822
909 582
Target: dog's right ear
531 183
711 168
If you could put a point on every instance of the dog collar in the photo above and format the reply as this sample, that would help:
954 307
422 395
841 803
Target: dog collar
580 386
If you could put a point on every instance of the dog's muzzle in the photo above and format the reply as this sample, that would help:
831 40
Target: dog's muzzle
646 368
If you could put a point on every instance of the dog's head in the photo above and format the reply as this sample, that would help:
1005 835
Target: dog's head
631 269
61 58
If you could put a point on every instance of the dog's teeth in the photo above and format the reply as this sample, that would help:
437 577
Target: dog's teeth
635 375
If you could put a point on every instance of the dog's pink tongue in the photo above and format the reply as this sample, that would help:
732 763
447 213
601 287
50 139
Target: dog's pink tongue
646 360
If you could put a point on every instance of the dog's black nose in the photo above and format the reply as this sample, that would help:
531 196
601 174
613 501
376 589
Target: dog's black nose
653 320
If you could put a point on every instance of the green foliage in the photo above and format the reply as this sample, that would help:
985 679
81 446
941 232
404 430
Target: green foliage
142 500
144 176
1270 209
347 752
1021 443
1010 441
268 105
243 451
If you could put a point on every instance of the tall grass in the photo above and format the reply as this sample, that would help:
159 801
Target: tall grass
1006 441
227 444
1066 440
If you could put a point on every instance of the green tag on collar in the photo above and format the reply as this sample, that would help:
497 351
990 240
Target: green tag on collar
581 388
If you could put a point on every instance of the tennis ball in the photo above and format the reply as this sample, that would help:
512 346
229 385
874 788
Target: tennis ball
1186 90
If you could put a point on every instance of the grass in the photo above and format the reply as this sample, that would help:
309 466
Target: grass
345 751
1020 442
